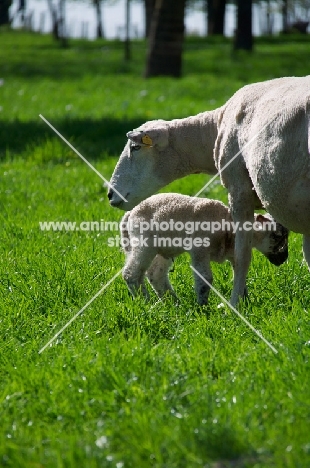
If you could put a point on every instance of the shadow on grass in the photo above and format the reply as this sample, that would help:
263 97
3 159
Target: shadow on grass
34 57
90 137
221 448
267 61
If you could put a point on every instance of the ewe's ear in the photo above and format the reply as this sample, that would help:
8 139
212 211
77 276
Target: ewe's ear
156 136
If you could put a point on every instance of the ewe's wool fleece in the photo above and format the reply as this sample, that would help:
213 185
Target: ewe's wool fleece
275 115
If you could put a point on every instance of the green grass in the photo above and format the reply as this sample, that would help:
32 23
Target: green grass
127 385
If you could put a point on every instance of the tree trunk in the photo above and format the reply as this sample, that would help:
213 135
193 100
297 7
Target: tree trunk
268 18
244 37
62 22
149 6
127 51
216 16
55 25
22 9
4 11
99 32
166 39
58 21
285 16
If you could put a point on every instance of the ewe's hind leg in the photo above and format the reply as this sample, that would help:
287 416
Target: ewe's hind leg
157 274
202 266
134 271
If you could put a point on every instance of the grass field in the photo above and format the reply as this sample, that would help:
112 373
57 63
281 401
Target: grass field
130 383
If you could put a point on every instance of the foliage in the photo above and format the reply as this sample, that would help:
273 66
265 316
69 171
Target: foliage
127 385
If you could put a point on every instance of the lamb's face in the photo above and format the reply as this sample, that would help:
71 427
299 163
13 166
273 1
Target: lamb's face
139 172
278 246
272 243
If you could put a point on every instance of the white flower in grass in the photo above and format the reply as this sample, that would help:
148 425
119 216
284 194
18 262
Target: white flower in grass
102 442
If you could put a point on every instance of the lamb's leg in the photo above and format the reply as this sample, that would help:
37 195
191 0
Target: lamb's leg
306 249
157 274
202 266
134 271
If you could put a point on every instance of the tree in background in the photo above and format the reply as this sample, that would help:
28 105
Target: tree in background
244 36
149 6
57 11
269 21
215 16
22 9
285 16
127 54
299 14
99 30
4 11
166 39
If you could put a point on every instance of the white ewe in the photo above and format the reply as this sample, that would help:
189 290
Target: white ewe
275 117
267 124
166 225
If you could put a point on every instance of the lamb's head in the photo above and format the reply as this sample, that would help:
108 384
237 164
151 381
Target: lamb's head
143 167
270 238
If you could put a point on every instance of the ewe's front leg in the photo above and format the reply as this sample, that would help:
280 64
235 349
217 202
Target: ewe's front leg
230 160
243 214
157 274
202 266
245 292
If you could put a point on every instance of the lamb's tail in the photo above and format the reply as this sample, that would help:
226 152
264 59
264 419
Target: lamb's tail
125 233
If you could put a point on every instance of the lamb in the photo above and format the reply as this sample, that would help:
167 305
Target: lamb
266 124
166 225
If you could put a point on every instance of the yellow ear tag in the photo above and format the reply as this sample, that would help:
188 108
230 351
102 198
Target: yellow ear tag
146 140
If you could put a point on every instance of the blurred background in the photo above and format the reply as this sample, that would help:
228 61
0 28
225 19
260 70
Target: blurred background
82 17
110 18
161 21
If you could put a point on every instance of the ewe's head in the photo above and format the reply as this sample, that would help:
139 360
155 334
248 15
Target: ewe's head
142 168
271 238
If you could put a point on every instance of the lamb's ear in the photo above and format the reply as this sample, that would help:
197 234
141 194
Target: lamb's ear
156 136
